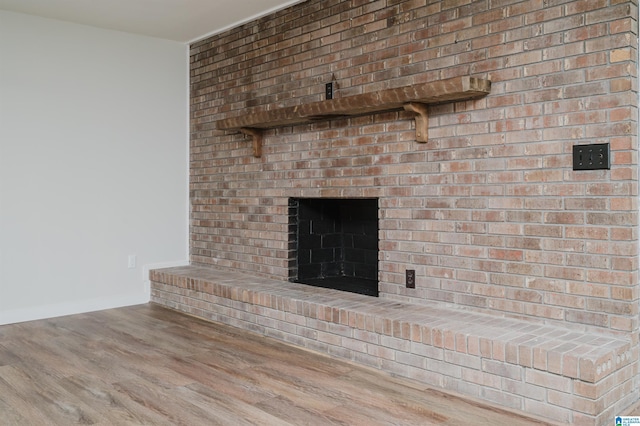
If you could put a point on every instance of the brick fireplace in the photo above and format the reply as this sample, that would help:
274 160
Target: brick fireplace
488 211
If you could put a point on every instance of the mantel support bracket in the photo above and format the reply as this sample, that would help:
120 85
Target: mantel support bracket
256 136
422 119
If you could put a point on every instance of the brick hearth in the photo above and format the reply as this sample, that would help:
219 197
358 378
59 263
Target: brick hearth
561 374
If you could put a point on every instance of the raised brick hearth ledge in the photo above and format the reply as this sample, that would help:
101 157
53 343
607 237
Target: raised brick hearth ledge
562 374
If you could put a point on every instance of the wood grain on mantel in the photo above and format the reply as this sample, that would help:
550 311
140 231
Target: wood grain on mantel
412 98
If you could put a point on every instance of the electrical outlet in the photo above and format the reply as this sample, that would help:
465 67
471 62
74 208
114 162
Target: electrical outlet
328 90
591 157
410 275
132 261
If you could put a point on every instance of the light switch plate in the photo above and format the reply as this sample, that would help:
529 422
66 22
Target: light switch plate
591 157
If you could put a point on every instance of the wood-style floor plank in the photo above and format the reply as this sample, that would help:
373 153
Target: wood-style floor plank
114 408
147 365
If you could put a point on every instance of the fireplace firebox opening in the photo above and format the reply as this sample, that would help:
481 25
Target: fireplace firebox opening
334 243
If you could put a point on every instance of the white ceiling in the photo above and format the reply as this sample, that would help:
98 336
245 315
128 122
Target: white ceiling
179 20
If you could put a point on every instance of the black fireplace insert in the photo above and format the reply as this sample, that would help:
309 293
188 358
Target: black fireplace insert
334 243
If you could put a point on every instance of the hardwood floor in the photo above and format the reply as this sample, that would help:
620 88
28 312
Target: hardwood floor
149 365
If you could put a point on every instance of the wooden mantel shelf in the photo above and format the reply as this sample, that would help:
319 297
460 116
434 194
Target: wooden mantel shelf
413 98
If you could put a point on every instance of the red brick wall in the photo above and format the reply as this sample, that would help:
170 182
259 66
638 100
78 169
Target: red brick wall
489 212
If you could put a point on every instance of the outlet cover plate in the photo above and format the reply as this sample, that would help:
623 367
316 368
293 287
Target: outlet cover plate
328 90
591 157
410 275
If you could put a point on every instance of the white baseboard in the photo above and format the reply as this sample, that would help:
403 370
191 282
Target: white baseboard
91 305
70 308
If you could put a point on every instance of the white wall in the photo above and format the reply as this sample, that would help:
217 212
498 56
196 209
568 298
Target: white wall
93 165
